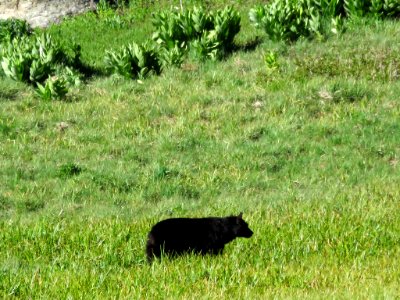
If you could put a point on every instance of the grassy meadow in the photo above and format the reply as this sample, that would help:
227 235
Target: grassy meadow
309 152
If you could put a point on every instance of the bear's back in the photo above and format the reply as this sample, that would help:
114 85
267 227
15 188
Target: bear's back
184 228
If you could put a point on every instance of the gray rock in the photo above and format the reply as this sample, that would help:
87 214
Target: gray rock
42 13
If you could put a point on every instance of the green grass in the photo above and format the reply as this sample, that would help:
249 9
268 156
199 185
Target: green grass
309 153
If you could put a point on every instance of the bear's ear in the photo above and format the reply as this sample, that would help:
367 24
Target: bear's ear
240 216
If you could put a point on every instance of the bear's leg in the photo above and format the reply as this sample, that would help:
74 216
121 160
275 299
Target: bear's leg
152 249
216 250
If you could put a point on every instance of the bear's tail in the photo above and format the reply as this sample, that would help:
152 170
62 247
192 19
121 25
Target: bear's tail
152 249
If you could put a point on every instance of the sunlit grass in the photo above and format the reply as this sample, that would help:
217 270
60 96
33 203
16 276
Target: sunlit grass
309 153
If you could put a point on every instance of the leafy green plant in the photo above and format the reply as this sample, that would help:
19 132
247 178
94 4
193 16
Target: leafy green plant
133 61
390 8
170 29
271 62
292 19
53 88
111 13
33 59
330 7
40 61
206 48
357 7
289 20
211 34
226 27
179 28
12 28
202 21
104 5
171 57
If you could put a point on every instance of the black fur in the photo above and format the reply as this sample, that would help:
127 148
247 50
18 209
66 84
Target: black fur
198 235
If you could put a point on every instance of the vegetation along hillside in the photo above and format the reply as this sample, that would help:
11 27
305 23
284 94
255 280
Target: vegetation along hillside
287 111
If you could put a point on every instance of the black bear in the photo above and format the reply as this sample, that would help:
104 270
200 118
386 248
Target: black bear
198 235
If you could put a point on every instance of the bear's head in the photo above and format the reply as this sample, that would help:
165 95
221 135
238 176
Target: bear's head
240 228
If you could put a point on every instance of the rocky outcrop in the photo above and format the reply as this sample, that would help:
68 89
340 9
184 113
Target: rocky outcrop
42 13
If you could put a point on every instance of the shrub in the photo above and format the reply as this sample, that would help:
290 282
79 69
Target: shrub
271 62
292 19
109 4
34 59
210 34
179 28
206 48
170 31
171 57
133 61
376 8
53 88
12 28
226 26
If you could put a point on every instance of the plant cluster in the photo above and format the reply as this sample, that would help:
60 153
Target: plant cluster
106 12
271 62
208 35
292 19
107 4
374 8
38 60
133 61
12 28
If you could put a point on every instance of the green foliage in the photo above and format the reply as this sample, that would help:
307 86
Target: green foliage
375 8
210 33
33 59
111 14
170 29
290 20
357 8
390 8
69 170
171 57
133 61
206 48
104 5
40 61
271 62
226 27
53 88
12 28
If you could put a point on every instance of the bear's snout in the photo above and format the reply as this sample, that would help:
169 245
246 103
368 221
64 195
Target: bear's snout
248 234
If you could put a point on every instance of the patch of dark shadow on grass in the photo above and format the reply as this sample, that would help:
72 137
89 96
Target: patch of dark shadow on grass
188 192
30 205
248 46
8 128
344 91
163 172
165 190
257 133
69 170
5 203
8 95
110 182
